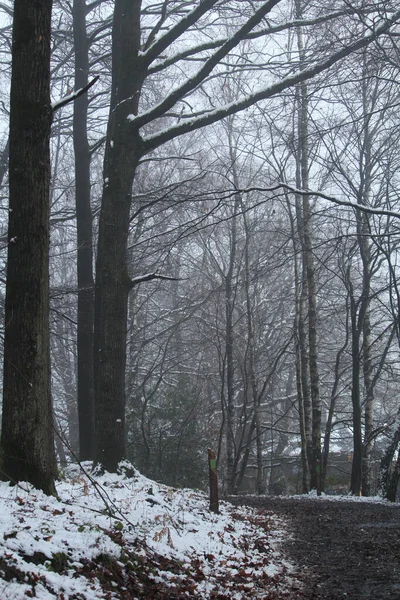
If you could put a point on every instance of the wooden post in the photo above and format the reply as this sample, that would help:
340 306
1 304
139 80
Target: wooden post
212 467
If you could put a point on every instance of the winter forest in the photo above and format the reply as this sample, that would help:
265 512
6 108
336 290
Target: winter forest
219 222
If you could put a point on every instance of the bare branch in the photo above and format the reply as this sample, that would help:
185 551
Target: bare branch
172 34
71 97
150 277
161 137
208 66
333 199
191 52
6 9
93 5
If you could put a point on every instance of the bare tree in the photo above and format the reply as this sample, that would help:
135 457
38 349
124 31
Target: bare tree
85 387
127 144
27 425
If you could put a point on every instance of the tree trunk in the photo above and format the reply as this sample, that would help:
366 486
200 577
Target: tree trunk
251 354
315 459
355 483
365 251
112 280
230 399
303 160
85 391
361 325
300 344
331 412
388 475
369 406
27 442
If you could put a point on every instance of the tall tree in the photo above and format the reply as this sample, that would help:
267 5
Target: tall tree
360 165
133 134
85 387
27 448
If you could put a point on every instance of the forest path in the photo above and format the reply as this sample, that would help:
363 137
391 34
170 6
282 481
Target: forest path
342 549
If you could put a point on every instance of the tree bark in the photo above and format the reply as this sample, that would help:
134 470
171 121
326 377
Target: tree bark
355 482
331 412
315 458
85 390
300 343
369 407
251 353
315 454
365 252
112 279
27 443
230 370
361 326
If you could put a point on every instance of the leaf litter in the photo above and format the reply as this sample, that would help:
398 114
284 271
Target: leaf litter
125 536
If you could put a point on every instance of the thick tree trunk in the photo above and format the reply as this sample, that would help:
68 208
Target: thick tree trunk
27 443
112 288
112 280
85 391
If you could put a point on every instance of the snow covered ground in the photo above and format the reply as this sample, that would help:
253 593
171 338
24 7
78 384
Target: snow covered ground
125 536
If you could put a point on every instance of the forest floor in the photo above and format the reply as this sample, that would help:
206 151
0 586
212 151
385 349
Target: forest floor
125 537
340 549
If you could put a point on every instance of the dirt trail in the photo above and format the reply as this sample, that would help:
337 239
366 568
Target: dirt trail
343 550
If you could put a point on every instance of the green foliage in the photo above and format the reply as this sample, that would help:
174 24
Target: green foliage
175 453
59 562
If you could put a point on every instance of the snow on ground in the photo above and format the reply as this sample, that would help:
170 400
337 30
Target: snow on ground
125 536
342 498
